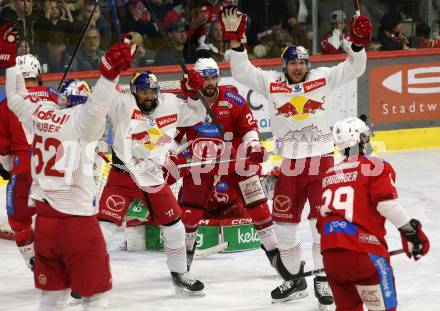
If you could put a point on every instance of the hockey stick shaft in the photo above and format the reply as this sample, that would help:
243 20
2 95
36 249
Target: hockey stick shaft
78 45
182 64
357 7
313 272
115 20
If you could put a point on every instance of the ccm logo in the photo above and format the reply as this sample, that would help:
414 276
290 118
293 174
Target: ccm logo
423 75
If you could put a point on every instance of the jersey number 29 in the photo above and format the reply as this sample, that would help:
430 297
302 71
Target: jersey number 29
341 199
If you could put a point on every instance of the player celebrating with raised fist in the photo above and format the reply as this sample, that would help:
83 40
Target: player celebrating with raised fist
298 110
208 143
359 194
144 125
70 252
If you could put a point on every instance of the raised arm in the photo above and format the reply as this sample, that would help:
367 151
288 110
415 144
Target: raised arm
93 114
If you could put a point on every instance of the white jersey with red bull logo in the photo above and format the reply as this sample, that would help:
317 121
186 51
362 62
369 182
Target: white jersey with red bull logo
63 145
298 112
142 141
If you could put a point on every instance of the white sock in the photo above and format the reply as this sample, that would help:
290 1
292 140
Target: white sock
289 246
96 302
108 231
268 237
53 300
190 240
28 252
175 248
316 248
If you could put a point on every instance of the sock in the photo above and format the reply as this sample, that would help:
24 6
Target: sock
289 246
264 225
53 300
175 248
316 248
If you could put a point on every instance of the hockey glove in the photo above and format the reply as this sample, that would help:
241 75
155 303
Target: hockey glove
233 23
8 48
256 153
4 173
191 83
415 243
116 60
360 30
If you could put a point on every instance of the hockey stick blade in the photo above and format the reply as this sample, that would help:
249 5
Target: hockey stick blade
313 272
202 253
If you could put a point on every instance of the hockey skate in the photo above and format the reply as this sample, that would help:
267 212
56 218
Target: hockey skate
189 259
290 290
271 255
323 293
184 284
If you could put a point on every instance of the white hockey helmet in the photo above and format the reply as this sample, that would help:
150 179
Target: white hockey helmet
347 133
207 67
29 66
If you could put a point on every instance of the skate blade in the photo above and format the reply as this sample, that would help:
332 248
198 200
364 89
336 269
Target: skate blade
297 295
322 307
183 292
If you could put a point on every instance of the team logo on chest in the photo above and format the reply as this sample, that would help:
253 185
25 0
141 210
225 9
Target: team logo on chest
204 148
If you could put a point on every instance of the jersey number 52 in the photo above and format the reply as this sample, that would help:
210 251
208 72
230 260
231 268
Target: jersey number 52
40 149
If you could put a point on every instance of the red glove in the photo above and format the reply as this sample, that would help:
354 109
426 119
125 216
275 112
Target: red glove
8 48
360 30
256 153
233 23
415 243
117 59
191 83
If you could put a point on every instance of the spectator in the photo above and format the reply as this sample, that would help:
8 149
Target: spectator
54 57
98 22
177 35
52 21
24 47
89 55
273 44
212 45
302 34
140 20
390 32
300 11
422 38
20 14
337 40
142 57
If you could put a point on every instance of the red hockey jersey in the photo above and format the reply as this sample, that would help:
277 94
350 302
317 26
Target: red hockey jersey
234 114
352 190
13 138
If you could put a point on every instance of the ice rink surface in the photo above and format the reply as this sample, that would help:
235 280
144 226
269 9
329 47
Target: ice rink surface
243 281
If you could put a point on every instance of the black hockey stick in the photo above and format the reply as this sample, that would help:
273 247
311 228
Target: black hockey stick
313 272
78 44
182 64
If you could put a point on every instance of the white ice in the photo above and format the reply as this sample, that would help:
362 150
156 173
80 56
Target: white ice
243 281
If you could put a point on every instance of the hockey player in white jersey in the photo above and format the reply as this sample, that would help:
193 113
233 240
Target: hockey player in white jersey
144 125
70 252
298 106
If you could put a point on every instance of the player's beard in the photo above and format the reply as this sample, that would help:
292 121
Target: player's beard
147 106
297 76
210 91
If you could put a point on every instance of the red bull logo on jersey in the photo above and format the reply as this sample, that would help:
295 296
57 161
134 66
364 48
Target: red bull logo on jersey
152 138
299 108
137 115
51 116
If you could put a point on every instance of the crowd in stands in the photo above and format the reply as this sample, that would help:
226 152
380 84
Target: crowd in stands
51 29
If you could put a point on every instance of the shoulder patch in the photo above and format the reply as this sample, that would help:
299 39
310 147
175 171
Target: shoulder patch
234 97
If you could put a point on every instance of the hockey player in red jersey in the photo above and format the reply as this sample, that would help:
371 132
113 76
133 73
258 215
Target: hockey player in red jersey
208 143
359 195
297 102
15 144
70 252
144 124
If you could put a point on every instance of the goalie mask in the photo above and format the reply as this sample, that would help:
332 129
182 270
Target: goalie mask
30 67
295 74
145 88
350 133
75 92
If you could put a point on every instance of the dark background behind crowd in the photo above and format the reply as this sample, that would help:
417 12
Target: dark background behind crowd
50 29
